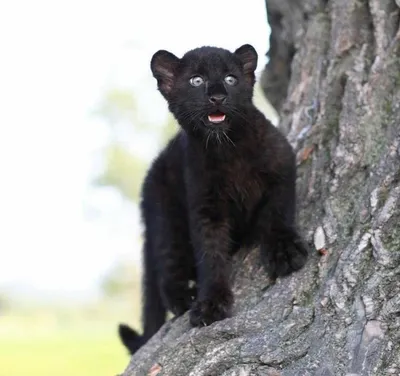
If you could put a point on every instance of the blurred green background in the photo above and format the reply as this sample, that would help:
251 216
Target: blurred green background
80 121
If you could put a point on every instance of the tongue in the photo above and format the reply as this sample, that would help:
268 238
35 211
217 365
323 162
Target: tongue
216 118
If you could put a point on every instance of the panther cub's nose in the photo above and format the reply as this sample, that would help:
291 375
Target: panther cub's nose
217 98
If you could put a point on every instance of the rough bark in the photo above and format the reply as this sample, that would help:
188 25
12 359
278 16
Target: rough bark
337 66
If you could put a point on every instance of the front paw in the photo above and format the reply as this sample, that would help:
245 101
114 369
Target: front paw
285 255
214 308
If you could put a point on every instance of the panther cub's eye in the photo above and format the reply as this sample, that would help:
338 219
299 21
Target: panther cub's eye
231 80
196 81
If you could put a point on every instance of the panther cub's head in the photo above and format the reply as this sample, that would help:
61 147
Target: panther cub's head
208 88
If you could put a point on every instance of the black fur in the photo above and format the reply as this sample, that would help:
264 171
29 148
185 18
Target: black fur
212 190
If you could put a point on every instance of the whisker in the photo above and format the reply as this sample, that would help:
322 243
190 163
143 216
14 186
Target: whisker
218 138
228 139
208 137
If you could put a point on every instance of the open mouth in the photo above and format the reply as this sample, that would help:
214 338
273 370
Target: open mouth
216 118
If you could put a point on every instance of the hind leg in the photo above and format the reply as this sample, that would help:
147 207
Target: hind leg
176 261
154 311
166 218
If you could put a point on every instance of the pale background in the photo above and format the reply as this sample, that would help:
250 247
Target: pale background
57 59
63 237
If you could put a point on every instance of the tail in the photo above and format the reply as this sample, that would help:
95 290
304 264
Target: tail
130 338
154 311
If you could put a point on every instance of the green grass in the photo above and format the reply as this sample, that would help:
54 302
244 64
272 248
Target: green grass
28 347
63 354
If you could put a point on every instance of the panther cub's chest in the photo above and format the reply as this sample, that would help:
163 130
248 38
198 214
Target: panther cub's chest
244 184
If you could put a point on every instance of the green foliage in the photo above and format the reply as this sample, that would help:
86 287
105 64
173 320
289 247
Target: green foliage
121 280
122 170
117 105
169 129
5 303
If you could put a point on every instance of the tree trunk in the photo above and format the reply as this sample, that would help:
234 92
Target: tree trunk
334 75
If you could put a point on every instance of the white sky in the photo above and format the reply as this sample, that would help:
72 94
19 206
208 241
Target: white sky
57 58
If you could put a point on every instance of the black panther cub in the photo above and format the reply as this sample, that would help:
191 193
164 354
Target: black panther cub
226 180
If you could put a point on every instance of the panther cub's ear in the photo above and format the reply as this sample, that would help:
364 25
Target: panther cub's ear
164 66
248 56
